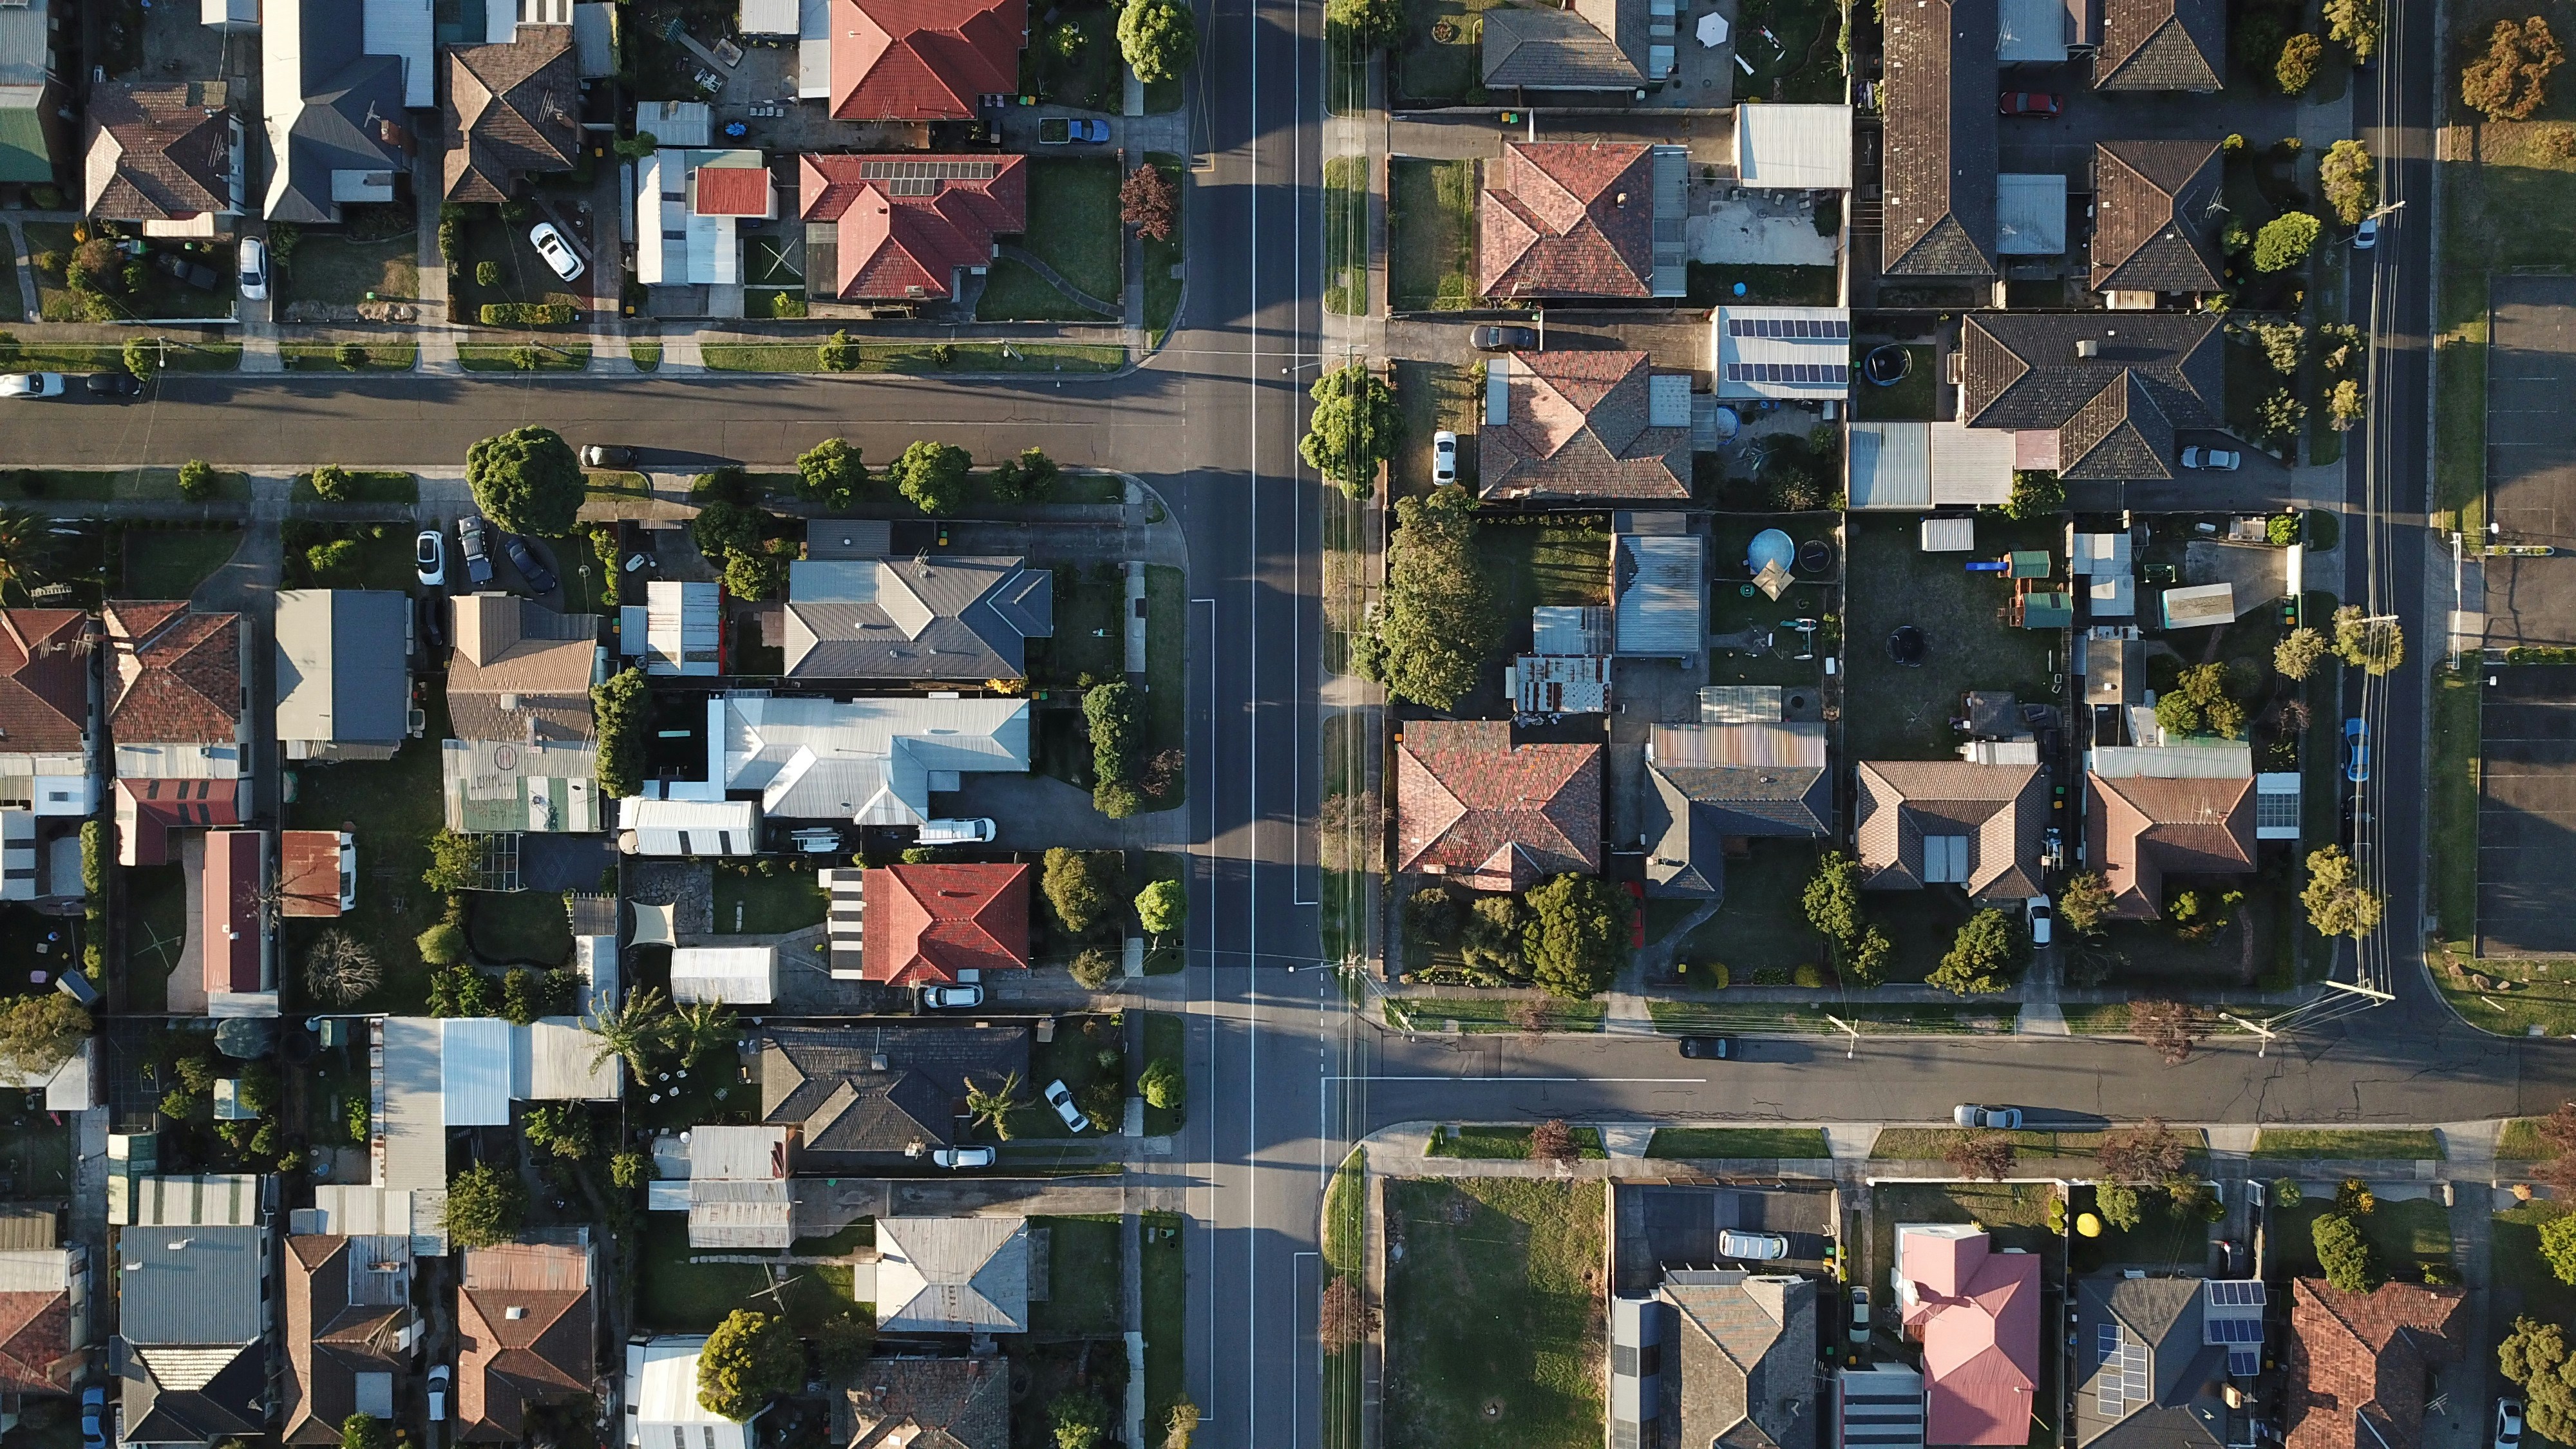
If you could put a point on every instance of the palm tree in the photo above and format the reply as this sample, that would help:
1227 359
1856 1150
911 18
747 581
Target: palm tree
23 546
634 1029
699 1027
994 1108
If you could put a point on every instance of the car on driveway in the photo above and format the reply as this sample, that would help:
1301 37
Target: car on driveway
1061 1099
958 1158
251 269
112 384
429 558
470 539
550 244
960 830
2508 1424
541 580
94 1418
1860 1312
951 998
2001 1119
440 1377
2031 103
2214 460
607 455
1444 456
1493 338
31 384
2356 751
2043 921
1063 130
1752 1247
1709 1048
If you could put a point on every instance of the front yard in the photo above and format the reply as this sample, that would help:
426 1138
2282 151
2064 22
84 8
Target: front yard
2408 1234
1431 234
339 271
497 249
1494 1326
1441 58
1074 228
169 563
1085 1259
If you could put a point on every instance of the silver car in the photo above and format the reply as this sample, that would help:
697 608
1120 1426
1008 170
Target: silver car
1060 1098
2000 1119
1752 1247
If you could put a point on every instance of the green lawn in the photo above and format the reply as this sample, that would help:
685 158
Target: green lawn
1871 1019
1504 1144
531 356
154 907
1493 1315
920 357
1346 1213
769 905
35 1155
1085 1259
647 356
325 357
1437 395
382 560
1085 74
1166 1038
12 300
1791 46
1761 924
2520 1141
2161 1242
2347 1145
1073 222
2407 1233
1893 582
1910 397
1346 236
169 563
395 806
679 1296
1431 234
1922 1144
1166 1304
2453 802
1166 666
1015 293
1075 1058
121 485
1475 1014
340 271
522 275
1441 55
1163 259
2522 1281
110 356
366 485
1690 1142
518 928
1535 560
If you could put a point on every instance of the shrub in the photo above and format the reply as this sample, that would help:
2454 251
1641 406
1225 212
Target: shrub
1984 949
527 314
838 353
1094 968
1080 886
2511 81
1807 976
485 1205
1576 935
1027 478
2297 66
487 274
196 480
786 304
451 239
142 358
2280 417
2344 1255
2558 1247
1149 202
2344 405
443 944
2035 494
1163 1085
2285 240
331 483
831 473
622 706
932 475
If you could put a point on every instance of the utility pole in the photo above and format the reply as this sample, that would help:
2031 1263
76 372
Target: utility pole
1849 1031
2266 1033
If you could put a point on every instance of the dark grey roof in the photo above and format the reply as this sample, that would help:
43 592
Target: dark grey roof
1685 851
828 1082
2164 1316
192 1285
1756 799
1940 161
2116 409
956 618
189 1396
2152 231
347 96
1745 1373
1551 49
2161 45
353 681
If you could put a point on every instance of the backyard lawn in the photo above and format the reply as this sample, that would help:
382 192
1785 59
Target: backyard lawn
154 912
169 563
1493 1314
1909 397
1431 234
395 806
768 905
1084 1263
338 271
679 1296
518 928
1966 644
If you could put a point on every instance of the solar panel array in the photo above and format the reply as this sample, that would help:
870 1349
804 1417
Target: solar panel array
2122 1364
2234 1293
2244 1363
1815 372
2233 1330
1834 329
942 169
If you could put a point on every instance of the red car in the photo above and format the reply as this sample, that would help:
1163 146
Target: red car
2031 103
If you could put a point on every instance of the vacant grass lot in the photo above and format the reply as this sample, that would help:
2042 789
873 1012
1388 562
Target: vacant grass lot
769 905
1085 1258
2337 1145
1493 1315
337 271
1689 1142
1967 644
1431 234
166 563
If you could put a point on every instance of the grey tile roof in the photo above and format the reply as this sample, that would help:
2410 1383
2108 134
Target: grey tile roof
1747 1351
342 674
2121 433
2162 1315
926 1403
1685 851
2161 45
339 125
2001 809
1580 49
2149 374
159 152
827 1082
952 618
1940 160
2153 224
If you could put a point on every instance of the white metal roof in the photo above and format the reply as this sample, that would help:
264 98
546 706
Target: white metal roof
688 827
740 975
215 1200
1949 535
474 1068
594 38
682 627
662 1394
872 761
1569 629
1785 352
2089 553
675 123
2211 760
2114 596
1917 465
2030 214
1798 148
1657 594
407 29
767 17
410 1111
595 957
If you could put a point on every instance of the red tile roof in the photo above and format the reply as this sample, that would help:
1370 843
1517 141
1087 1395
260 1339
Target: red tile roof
1579 426
36 1353
542 1354
148 810
229 929
887 244
44 679
2141 827
178 673
1567 219
926 923
733 191
1494 815
2366 1356
1977 1314
308 872
923 60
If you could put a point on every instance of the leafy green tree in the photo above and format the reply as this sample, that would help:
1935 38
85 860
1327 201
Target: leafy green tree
461 991
2084 902
2511 81
365 1431
2284 344
2345 407
2199 704
1162 906
2035 494
2338 903
1438 622
2299 652
2350 179
1986 947
750 1359
1093 969
331 483
1869 959
522 997
630 1170
2535 1356
841 1343
25 547
932 475
755 573
527 481
2558 1247
2285 240
485 1205
831 473
1575 936
2376 644
455 863
196 480
622 706
724 527
1078 1419
1110 712
1159 38
562 1128
1079 886
40 1032
1029 477
2118 1205
1833 901
142 358
2356 24
2297 67
1163 1085
1371 22
1357 424
2344 1255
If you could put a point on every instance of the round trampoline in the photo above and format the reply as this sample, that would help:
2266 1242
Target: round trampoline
1815 556
1887 365
1907 646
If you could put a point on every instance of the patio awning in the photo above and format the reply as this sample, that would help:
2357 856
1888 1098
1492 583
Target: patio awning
1712 30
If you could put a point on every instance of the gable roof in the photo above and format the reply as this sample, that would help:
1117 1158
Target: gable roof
342 671
2140 827
2161 45
1709 782
889 240
44 679
147 810
519 671
36 1350
927 923
1566 218
926 1403
544 1352
952 1275
2357 1363
2153 216
922 60
159 152
1746 1375
511 109
1977 1314
340 1322
327 105
1579 424
2114 385
2152 1324
1581 49
1472 804
956 617
229 934
1999 809
828 1083
178 673
1940 159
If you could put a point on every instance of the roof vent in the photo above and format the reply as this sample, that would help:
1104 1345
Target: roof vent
1621 199
514 1312
2088 348
877 1062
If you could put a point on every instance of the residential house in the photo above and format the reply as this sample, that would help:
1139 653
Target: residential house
651 825
952 1275
1474 807
1952 822
736 1190
1592 46
45 1306
349 1332
923 60
2187 809
176 712
1723 1357
1579 218
879 1096
964 618
939 923
702 197
2162 45
1709 785
1976 1312
2154 1356
926 1403
1800 354
317 872
2094 396
343 673
1658 587
527 1335
662 1407
867 761
45 770
2358 1365
190 1355
906 228
511 110
167 156
1939 160
2156 219
334 83
518 787
1584 425
35 132
521 673
233 935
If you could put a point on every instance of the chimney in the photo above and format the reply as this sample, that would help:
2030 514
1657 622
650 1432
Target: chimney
2088 348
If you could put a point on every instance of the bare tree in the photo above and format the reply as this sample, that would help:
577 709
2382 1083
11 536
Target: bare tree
1350 832
1552 1141
2144 1155
339 969
2558 1129
1347 1318
1527 1015
1980 1154
2169 1026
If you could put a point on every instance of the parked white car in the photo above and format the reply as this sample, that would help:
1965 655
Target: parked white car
251 269
31 384
558 253
1061 1099
2042 920
951 998
978 831
1444 457
958 1158
2001 1119
429 558
440 1376
1752 1247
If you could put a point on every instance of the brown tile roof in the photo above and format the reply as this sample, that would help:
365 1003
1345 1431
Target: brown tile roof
520 670
2140 828
731 191
1473 806
1567 219
2000 809
545 1352
2161 45
36 1351
308 872
158 152
330 1340
885 245
511 110
1579 428
926 923
923 60
44 679
1940 159
178 673
148 810
2114 386
2153 218
2365 1356
926 1403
